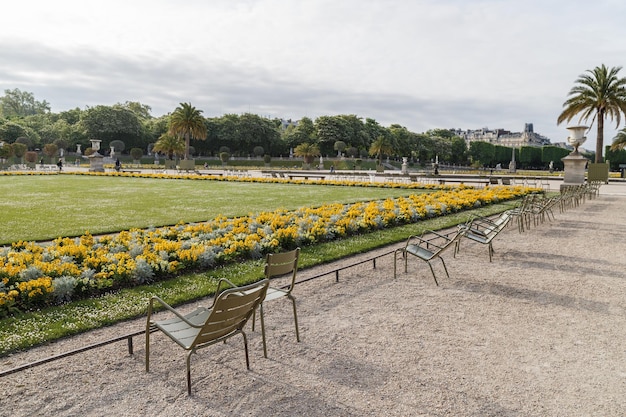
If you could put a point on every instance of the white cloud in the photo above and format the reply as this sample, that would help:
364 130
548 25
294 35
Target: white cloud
421 63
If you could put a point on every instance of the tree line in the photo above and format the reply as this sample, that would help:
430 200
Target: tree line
28 125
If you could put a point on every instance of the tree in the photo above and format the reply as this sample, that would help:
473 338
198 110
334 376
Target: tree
10 131
6 150
530 156
50 150
303 132
258 151
307 151
483 153
381 146
109 123
188 123
136 153
458 148
330 129
117 145
16 103
19 150
619 141
553 154
598 94
141 110
170 145
340 146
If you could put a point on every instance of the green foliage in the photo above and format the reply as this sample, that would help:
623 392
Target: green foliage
258 151
615 157
170 145
117 145
109 123
6 150
597 94
307 151
16 103
187 122
553 154
19 150
50 150
502 154
136 153
381 146
483 153
530 156
10 131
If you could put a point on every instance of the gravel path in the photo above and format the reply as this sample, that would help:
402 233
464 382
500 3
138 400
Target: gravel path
537 332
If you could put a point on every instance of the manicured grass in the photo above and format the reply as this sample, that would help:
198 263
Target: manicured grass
29 329
47 207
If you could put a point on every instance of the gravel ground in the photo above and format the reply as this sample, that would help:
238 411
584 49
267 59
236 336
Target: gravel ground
537 332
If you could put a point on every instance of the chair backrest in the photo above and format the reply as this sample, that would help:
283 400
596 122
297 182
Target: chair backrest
231 310
278 264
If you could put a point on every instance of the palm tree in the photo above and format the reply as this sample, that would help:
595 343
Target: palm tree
598 94
381 146
307 151
619 141
187 122
170 145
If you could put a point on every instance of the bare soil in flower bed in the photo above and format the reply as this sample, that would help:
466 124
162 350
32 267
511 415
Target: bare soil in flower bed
540 331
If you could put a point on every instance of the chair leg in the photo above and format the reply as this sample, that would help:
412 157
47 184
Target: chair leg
189 372
395 261
253 318
444 266
491 251
263 330
295 316
245 346
433 272
148 348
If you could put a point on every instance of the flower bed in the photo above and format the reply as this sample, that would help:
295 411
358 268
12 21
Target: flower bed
35 275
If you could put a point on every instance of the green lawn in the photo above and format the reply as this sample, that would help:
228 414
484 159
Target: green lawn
47 207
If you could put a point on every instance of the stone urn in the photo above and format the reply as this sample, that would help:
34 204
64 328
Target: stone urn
577 136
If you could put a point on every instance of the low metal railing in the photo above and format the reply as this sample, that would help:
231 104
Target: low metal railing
129 337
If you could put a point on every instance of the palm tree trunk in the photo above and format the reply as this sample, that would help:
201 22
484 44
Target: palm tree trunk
186 146
600 137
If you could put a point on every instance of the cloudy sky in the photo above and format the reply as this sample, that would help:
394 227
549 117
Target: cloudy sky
423 64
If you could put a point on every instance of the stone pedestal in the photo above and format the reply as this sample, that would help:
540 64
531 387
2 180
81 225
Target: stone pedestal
96 162
574 166
405 165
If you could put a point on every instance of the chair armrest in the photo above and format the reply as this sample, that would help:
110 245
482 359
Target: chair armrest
170 308
218 290
438 241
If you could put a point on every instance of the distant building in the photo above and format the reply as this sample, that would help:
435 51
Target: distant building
504 137
285 123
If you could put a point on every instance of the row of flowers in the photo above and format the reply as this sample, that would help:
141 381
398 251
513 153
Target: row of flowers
270 180
34 275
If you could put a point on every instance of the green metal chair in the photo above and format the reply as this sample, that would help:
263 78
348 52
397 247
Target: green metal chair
484 230
427 247
231 310
276 265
